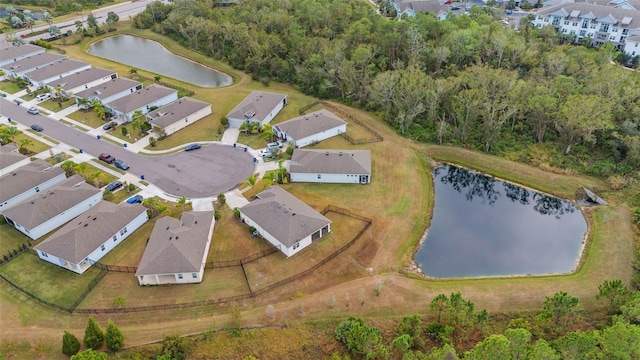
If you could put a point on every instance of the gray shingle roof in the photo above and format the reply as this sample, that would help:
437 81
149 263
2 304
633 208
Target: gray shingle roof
310 124
590 11
12 52
423 6
80 78
109 88
33 61
284 216
177 246
26 177
84 234
351 162
140 98
57 68
176 111
258 104
46 205
9 155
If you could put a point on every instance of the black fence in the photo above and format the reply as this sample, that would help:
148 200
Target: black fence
376 137
116 268
13 253
172 86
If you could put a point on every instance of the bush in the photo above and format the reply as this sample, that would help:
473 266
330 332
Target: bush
70 344
107 195
616 182
93 335
289 150
224 121
114 337
217 215
152 141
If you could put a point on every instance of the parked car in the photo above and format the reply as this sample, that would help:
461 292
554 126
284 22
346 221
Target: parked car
36 127
33 111
277 144
191 147
114 185
266 153
109 125
121 164
43 97
135 199
107 158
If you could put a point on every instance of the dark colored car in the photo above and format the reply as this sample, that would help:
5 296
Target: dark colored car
135 199
121 164
192 147
114 185
36 127
109 125
107 158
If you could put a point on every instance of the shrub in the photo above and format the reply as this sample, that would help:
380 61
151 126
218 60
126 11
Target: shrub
114 337
616 182
107 195
70 344
224 121
289 150
93 335
217 215
152 141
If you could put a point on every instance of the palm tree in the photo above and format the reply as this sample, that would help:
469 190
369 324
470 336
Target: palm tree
182 201
97 177
68 167
281 173
46 16
133 72
24 143
81 169
136 121
83 103
251 181
100 109
157 78
267 132
11 132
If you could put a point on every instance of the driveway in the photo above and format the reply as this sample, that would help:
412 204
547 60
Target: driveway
209 171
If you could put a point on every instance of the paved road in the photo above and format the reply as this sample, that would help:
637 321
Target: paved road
212 170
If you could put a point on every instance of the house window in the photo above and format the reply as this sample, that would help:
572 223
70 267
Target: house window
102 247
604 27
44 254
602 37
194 275
613 38
582 33
593 26
615 29
115 237
636 45
319 176
566 22
179 276
123 231
625 31
575 23
296 245
37 189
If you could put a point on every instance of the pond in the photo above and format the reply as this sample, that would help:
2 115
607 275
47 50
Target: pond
486 227
152 56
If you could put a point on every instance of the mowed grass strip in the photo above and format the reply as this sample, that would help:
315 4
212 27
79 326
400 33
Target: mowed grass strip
11 239
88 118
130 251
232 239
47 281
217 283
205 129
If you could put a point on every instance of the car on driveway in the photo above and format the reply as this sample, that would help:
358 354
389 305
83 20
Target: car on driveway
114 185
43 97
107 158
109 125
33 111
266 153
121 164
275 144
135 199
192 147
36 127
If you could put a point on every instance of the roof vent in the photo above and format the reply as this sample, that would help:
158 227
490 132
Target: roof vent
32 203
167 228
170 237
176 238
196 221
340 153
94 219
326 153
85 225
293 214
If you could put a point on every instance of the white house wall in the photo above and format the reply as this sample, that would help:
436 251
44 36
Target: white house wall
275 242
310 140
116 96
632 48
184 122
145 109
60 219
327 178
276 110
29 193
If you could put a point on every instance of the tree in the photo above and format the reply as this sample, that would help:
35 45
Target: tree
495 347
136 121
439 304
24 143
70 344
69 167
113 337
559 306
89 354
107 195
518 342
133 72
16 22
360 339
124 131
236 212
221 200
620 341
251 182
615 291
542 351
577 345
157 78
79 27
46 16
11 132
92 22
182 201
112 19
580 116
173 346
97 177
54 31
93 335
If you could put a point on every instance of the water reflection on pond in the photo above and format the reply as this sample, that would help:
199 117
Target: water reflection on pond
150 55
485 227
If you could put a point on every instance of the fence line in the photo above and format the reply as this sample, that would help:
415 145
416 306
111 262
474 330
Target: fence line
246 278
34 297
376 137
175 87
13 253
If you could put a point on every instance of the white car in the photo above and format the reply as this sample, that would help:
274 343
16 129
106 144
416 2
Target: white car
43 97
266 153
275 144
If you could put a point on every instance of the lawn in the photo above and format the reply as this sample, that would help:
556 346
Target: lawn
93 175
58 158
205 129
11 239
88 118
232 240
130 251
9 87
55 106
34 146
123 193
47 281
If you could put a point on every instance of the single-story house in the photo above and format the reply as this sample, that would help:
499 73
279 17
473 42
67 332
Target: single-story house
331 166
310 129
286 222
110 90
411 8
10 158
90 236
259 106
10 53
30 63
40 77
82 80
177 250
177 115
144 99
47 210
27 181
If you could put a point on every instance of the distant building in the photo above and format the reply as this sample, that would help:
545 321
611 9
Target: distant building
258 107
57 70
144 99
30 63
331 166
10 53
177 115
177 249
10 158
90 236
311 128
27 181
411 8
109 91
82 80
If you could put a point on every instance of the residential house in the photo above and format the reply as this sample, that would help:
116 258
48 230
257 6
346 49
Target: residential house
10 53
82 80
411 8
331 166
259 107
144 99
10 158
310 129
92 235
177 249
47 210
177 115
286 222
30 63
109 91
587 21
58 70
632 45
27 181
